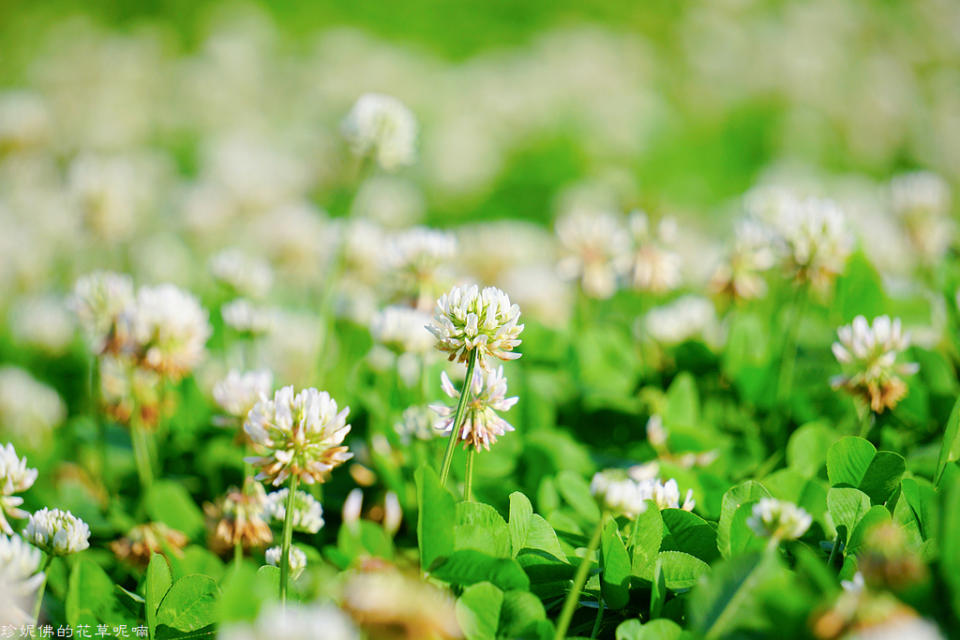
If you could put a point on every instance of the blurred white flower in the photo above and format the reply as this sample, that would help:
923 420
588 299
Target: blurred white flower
754 252
245 317
15 477
869 356
402 329
99 300
352 508
171 329
294 622
467 318
855 584
392 513
388 200
619 493
778 519
685 318
20 577
246 275
922 202
419 260
416 422
302 435
238 392
595 249
666 495
28 409
42 321
383 128
307 511
654 267
656 432
24 120
298 560
481 424
817 239
57 532
541 292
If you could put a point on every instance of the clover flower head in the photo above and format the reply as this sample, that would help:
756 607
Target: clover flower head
20 577
384 128
666 495
15 477
99 300
24 119
687 317
42 321
595 249
922 202
29 409
238 392
616 491
402 329
467 318
869 354
298 560
778 519
656 433
420 249
57 532
247 275
245 317
754 252
481 424
294 622
415 422
241 518
171 329
307 511
144 540
302 435
655 267
817 239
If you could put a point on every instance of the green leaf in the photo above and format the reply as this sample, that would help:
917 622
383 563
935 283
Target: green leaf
874 516
480 527
742 537
683 403
727 600
521 511
365 538
690 533
158 583
576 492
748 491
883 476
950 448
436 519
190 605
468 566
847 506
168 502
807 448
645 540
848 460
478 611
658 589
950 536
615 563
659 629
243 590
520 614
921 497
681 570
91 596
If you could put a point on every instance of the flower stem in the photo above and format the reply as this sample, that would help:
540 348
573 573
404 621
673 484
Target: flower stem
599 619
287 537
468 485
867 420
458 417
788 357
573 596
141 452
238 553
41 589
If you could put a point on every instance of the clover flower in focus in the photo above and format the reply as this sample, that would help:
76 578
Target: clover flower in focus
298 560
239 519
239 392
654 266
302 434
481 425
869 354
293 622
15 477
402 330
171 329
468 318
307 511
382 127
922 202
57 532
778 520
618 493
29 409
595 249
754 252
20 577
144 540
244 274
817 240
99 300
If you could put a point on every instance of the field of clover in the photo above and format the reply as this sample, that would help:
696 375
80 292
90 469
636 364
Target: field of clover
355 341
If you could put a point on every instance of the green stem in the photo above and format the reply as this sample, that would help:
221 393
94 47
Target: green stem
238 553
867 420
468 485
599 619
458 417
833 550
141 452
573 596
789 355
287 538
40 590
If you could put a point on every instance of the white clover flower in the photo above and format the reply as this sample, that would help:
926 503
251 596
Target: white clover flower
99 300
467 318
778 519
898 628
420 261
616 491
381 126
416 422
238 392
42 321
595 248
754 252
24 120
247 275
481 424
402 329
20 577
654 266
112 191
922 201
855 585
685 318
307 511
817 239
28 409
666 495
243 316
656 432
298 560
171 329
302 434
392 513
869 354
57 532
294 622
541 292
352 508
15 477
